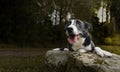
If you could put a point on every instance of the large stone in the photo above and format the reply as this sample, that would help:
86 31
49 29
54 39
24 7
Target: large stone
64 61
56 61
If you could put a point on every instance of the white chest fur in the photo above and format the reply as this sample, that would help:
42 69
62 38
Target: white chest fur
79 45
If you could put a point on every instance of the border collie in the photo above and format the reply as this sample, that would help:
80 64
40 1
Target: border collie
79 38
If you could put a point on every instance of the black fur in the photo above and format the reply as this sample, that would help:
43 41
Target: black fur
87 41
70 47
87 25
92 46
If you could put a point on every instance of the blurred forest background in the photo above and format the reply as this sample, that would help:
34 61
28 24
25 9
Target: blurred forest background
40 23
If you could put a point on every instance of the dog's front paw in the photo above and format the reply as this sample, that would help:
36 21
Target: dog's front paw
56 49
102 53
99 52
61 49
106 53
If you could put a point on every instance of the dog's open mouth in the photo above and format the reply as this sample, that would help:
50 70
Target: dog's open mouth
73 38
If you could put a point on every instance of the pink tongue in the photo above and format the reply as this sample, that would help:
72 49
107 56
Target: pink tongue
73 40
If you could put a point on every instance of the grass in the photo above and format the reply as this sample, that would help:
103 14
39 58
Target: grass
111 48
22 59
21 64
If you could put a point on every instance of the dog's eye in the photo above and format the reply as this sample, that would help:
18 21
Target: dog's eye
77 22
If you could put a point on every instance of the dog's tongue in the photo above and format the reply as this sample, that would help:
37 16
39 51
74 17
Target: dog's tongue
74 39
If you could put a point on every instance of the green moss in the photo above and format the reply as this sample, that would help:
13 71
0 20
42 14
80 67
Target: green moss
98 61
101 62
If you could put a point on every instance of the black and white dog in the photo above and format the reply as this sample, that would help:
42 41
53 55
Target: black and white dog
79 38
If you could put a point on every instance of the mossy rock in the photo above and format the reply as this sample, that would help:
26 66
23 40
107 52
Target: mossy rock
77 62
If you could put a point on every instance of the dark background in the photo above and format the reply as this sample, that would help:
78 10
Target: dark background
26 23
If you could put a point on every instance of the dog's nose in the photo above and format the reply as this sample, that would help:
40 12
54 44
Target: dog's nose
70 30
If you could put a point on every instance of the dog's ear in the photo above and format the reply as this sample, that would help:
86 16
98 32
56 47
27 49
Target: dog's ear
87 25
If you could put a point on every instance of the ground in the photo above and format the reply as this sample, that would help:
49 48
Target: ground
30 59
22 59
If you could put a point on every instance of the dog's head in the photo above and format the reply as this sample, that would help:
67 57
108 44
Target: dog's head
75 29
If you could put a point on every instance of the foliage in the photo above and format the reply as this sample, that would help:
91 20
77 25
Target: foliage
26 23
113 40
115 19
100 30
112 48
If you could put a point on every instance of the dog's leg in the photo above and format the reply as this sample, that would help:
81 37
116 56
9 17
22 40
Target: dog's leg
106 53
56 49
70 47
102 53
